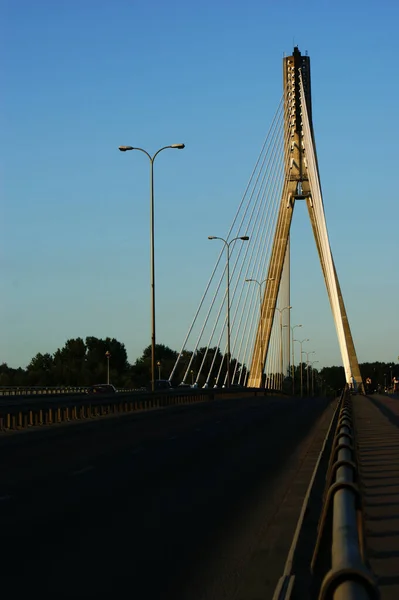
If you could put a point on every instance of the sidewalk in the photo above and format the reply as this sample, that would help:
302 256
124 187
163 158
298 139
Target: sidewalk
376 420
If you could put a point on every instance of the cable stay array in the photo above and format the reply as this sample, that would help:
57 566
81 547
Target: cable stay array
205 349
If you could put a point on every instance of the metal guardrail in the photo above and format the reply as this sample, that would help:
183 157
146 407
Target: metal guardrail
23 416
49 390
41 411
341 522
285 589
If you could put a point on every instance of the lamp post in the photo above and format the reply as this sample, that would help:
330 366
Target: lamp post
311 365
281 310
293 358
244 238
159 369
260 283
108 354
301 342
307 369
152 258
192 377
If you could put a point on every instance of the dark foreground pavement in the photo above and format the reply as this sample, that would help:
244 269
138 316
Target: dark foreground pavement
377 428
194 503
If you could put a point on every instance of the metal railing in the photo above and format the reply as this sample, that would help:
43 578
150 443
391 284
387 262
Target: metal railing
48 390
40 411
32 414
339 560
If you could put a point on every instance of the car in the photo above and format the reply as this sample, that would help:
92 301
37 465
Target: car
101 388
161 385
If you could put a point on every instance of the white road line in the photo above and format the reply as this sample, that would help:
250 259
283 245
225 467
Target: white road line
84 470
136 451
174 437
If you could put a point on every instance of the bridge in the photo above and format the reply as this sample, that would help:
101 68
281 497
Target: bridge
249 483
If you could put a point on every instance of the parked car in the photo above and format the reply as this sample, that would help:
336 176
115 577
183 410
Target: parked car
101 388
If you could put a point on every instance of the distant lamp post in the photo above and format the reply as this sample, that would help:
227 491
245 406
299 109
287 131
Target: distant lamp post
192 377
301 342
260 283
307 369
244 238
152 259
108 356
281 310
311 365
159 369
293 357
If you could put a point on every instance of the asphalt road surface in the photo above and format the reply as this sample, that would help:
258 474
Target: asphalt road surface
182 503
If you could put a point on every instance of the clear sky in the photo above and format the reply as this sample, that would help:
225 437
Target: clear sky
81 77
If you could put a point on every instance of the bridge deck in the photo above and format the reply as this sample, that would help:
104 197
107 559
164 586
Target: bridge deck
199 502
377 424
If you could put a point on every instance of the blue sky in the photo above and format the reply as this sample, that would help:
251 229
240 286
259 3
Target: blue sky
82 77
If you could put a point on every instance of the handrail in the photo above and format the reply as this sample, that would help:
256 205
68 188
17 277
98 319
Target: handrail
36 390
341 521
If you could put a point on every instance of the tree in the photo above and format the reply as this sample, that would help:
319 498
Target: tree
40 370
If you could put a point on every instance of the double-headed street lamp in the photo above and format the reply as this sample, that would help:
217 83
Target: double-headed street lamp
281 310
244 238
260 283
301 342
152 158
293 358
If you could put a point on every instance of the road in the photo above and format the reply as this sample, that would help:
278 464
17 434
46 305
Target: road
196 502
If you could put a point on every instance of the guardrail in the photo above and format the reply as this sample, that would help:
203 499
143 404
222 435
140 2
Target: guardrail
49 390
36 412
339 548
24 415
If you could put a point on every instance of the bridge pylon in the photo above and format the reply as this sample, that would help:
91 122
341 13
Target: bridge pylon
301 182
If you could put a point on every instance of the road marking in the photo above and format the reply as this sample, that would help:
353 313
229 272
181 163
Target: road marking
136 451
198 429
84 470
174 437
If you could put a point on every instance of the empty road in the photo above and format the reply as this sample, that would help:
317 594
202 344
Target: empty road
196 502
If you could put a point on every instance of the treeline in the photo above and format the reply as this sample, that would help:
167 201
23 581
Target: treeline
84 362
379 373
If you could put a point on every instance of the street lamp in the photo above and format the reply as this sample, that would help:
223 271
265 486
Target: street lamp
159 369
281 310
293 358
301 342
152 259
307 369
260 283
311 365
108 354
244 238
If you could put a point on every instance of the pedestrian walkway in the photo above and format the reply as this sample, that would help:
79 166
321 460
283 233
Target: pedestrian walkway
376 419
